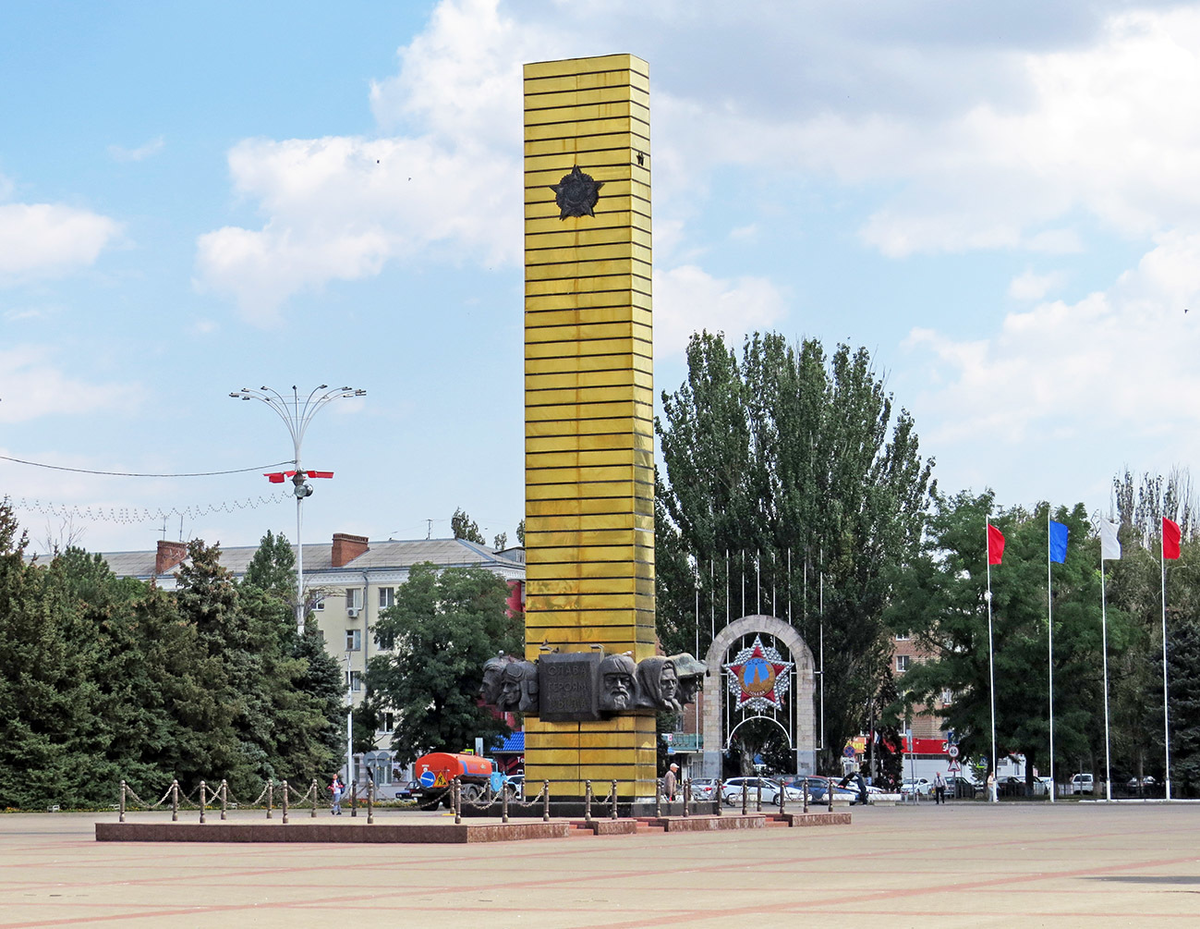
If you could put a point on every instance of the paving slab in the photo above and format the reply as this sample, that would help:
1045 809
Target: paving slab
962 864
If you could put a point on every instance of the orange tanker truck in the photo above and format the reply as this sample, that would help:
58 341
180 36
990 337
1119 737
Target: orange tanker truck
436 773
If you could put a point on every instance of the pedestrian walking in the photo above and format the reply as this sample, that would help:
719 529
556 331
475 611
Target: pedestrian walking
337 787
939 788
669 782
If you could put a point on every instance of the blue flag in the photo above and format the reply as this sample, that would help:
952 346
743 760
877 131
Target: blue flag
1058 542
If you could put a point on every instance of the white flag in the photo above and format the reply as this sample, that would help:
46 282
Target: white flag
1110 545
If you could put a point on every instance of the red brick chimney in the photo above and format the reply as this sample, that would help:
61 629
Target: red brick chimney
347 547
169 554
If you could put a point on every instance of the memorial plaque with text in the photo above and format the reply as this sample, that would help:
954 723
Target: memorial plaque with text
568 687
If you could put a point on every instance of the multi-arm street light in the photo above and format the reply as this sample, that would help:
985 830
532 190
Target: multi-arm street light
296 415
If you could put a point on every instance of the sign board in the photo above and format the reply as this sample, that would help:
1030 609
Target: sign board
569 686
427 778
954 767
952 751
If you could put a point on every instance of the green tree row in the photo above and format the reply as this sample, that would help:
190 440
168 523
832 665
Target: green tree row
103 679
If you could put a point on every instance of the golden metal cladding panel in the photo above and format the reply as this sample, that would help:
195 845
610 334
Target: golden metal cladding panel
589 398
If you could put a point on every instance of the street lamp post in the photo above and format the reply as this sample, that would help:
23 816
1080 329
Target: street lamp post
296 416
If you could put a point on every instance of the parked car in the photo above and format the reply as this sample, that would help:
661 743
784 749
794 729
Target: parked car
1082 784
704 788
961 788
407 790
731 790
1137 783
920 786
515 785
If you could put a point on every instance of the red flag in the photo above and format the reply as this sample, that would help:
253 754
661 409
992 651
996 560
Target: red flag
1171 539
995 544
320 474
276 478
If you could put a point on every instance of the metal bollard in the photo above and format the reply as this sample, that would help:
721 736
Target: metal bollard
456 800
224 797
613 795
782 799
504 804
202 801
370 803
658 789
758 798
720 795
831 795
353 798
284 807
745 797
546 801
121 816
687 796
587 801
270 796
175 801
804 792
315 788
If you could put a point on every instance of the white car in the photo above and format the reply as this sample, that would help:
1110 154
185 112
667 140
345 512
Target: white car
921 786
731 791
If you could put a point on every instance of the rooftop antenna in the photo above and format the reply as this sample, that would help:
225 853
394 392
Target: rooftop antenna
429 530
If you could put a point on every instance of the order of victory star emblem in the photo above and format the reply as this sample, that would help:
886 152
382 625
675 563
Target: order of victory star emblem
758 677
576 194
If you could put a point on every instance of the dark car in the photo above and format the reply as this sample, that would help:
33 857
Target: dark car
961 788
408 790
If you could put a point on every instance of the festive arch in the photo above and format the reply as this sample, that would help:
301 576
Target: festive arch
802 738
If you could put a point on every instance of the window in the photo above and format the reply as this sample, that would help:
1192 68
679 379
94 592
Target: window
353 640
387 722
903 662
901 636
387 597
319 604
947 696
354 598
355 681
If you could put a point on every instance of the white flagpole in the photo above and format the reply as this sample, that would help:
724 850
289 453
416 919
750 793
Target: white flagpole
987 558
1104 642
1162 554
1050 630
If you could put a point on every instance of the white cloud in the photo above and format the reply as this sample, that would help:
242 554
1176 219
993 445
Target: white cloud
32 386
1119 362
40 240
340 208
141 153
1031 286
688 299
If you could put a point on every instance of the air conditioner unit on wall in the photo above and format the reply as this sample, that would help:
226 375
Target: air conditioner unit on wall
353 611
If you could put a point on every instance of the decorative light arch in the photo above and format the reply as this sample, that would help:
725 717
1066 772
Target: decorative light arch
803 739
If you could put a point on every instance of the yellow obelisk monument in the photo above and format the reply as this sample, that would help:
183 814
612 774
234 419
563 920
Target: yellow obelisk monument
589 429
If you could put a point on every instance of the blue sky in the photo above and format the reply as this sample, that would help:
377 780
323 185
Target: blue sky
1001 204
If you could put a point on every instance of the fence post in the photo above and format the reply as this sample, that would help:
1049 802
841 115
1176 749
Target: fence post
224 797
270 795
456 799
370 803
546 801
587 801
805 793
121 815
314 789
202 788
745 796
720 795
687 796
354 798
658 789
504 804
613 809
175 801
831 795
782 798
758 797
284 787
